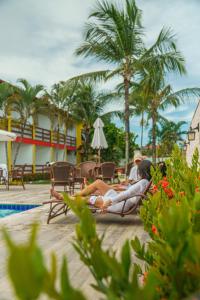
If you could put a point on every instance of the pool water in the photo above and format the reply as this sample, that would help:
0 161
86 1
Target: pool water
10 209
6 212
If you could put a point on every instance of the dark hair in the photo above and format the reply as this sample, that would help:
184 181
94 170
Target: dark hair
144 169
163 168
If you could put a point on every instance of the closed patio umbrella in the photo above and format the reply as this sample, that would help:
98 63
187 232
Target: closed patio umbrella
6 136
99 141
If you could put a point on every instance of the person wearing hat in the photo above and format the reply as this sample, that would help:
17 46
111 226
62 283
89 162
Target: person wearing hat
134 176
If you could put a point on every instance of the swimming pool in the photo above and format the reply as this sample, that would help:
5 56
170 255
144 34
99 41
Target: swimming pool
10 209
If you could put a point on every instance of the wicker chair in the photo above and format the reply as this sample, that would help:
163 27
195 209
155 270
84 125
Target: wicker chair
107 171
62 174
84 171
17 174
3 179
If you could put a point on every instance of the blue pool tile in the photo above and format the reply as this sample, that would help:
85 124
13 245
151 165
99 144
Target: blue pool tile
8 209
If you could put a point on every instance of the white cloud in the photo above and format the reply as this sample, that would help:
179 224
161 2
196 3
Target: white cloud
38 39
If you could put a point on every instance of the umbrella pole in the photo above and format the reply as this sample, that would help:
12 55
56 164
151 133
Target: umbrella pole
99 155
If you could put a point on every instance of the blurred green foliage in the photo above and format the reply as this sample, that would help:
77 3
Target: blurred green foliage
30 276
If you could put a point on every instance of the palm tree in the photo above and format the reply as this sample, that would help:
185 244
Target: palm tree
26 103
160 97
171 132
6 91
115 36
88 104
60 100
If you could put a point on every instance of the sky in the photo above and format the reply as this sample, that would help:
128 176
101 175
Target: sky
39 37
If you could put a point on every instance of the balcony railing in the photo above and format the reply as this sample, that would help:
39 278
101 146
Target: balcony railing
28 169
41 134
60 138
18 128
42 169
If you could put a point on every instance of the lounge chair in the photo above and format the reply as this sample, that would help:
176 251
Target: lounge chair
58 207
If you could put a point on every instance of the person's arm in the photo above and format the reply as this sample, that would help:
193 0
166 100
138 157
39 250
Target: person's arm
133 190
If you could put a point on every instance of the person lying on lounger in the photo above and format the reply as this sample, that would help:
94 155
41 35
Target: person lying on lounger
110 200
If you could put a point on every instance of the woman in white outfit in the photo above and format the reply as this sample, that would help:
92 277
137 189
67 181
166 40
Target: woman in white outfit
110 200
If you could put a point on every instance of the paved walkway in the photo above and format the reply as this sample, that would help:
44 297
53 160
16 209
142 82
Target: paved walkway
57 236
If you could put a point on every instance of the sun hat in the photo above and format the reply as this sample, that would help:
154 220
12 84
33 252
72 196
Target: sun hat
138 158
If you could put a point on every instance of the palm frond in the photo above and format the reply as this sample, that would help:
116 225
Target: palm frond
91 76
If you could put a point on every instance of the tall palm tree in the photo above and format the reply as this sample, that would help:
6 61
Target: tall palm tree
26 103
115 36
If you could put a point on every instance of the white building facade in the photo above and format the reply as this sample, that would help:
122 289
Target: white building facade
41 142
194 144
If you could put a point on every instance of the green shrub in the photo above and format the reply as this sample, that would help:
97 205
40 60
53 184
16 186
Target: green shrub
36 177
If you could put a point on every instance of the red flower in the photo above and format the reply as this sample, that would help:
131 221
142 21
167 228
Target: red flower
169 192
155 188
154 229
197 190
164 183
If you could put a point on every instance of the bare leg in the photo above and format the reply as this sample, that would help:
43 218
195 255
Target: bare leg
57 195
99 203
60 197
98 185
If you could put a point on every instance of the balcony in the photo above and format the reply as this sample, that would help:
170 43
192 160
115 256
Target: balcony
48 137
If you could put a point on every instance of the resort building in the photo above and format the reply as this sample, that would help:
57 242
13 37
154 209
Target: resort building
43 142
193 135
